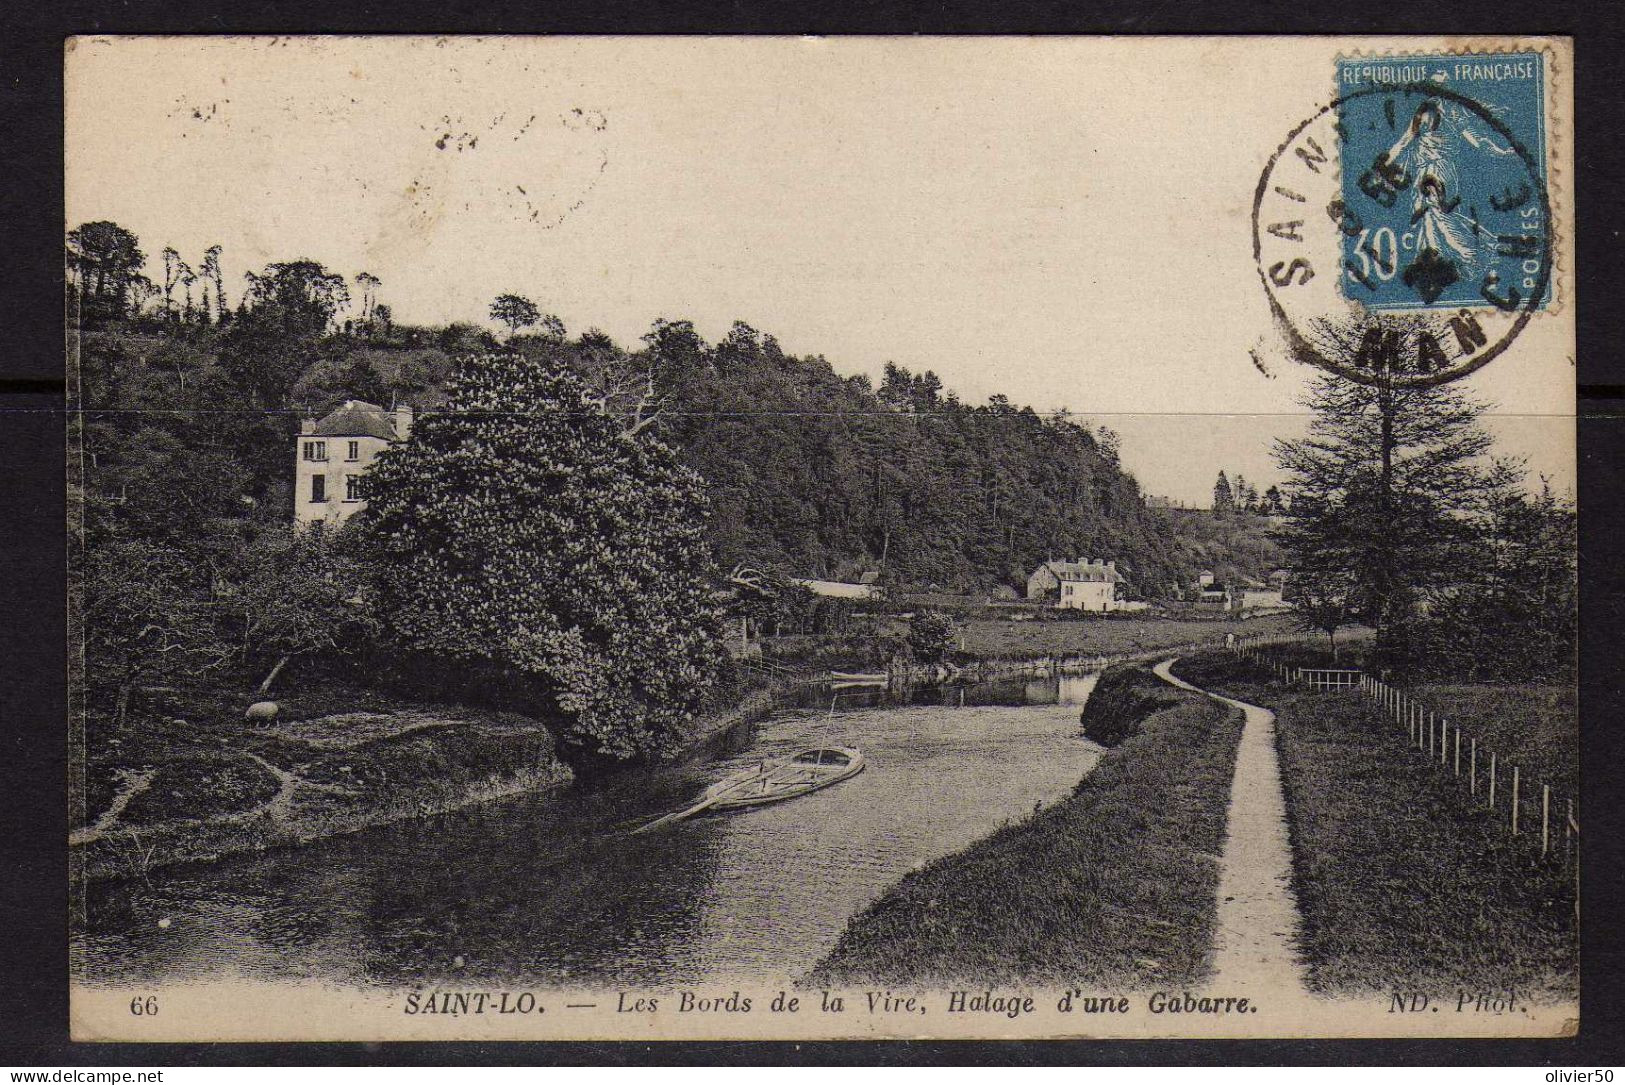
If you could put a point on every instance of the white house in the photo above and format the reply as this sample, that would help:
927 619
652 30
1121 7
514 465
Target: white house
332 454
1076 585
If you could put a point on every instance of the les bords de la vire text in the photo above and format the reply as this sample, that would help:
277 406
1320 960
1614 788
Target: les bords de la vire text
877 1003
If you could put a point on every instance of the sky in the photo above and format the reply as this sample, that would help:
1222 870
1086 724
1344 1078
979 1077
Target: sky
1063 221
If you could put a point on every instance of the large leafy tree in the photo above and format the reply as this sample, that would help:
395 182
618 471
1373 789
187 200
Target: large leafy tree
522 535
1392 494
104 262
297 297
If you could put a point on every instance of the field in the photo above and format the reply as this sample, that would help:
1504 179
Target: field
1003 639
1535 727
1402 883
1112 887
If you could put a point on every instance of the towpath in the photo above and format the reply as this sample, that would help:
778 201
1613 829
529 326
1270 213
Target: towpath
1256 930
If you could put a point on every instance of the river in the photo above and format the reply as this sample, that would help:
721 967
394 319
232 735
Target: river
551 891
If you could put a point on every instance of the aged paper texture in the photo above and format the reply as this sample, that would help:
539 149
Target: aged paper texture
821 538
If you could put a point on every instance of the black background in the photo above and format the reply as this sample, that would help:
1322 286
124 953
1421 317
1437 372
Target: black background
33 709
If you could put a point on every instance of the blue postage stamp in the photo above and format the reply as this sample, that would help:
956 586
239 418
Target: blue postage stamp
1444 181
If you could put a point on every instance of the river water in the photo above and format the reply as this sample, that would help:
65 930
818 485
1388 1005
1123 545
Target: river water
551 891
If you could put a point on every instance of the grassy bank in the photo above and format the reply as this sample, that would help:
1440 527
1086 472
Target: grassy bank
172 788
1401 883
1112 887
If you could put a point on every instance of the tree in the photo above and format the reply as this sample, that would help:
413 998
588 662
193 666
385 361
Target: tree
522 537
175 269
210 273
1224 500
297 297
1322 601
368 284
1391 491
104 262
931 636
298 594
1515 616
515 311
1272 504
147 619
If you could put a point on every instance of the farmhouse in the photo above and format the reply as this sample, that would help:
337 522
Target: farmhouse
1076 585
1251 597
332 454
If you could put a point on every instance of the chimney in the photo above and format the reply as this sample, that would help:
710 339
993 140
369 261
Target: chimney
307 425
403 421
1112 565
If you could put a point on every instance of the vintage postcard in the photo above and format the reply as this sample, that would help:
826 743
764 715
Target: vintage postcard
803 538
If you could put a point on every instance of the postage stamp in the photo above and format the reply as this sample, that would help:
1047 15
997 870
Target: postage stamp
1420 200
1444 167
709 538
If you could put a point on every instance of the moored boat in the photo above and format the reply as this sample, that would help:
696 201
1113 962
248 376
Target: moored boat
773 780
787 778
852 679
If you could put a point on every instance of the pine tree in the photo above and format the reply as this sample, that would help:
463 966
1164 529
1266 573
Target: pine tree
1391 495
521 535
1224 499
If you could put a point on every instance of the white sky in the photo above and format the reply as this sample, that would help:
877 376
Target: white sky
1065 221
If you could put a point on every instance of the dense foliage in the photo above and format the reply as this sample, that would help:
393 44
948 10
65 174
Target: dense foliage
826 475
1403 520
931 636
522 534
191 399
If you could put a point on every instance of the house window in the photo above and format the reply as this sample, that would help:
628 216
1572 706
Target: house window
316 451
318 487
354 451
352 487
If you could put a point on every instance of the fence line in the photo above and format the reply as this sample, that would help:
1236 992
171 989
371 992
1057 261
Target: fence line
1440 741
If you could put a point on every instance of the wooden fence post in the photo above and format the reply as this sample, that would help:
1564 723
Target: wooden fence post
1493 756
1458 751
1568 832
1514 800
1545 819
1472 774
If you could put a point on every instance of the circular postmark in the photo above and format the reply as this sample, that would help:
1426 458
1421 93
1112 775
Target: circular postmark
1403 234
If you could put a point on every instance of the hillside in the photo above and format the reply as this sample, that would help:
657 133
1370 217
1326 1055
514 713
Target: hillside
1234 547
809 472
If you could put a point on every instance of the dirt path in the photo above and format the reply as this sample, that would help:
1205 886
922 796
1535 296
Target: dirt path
1257 922
132 782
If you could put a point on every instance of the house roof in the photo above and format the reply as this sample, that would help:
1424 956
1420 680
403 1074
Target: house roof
1083 570
839 589
358 418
